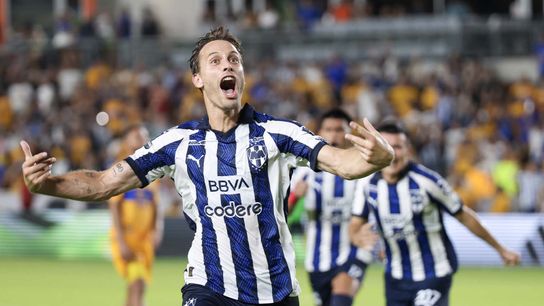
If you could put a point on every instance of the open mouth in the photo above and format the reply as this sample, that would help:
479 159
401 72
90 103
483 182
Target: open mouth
228 86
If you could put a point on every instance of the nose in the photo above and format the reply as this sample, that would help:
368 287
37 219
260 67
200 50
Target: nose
227 65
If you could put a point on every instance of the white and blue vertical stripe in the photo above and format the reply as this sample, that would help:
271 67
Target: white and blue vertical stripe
409 216
328 202
234 186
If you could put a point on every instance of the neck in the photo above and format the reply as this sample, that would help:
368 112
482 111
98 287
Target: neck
393 178
222 120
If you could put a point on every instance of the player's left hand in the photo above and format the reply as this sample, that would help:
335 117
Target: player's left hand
365 238
371 144
510 258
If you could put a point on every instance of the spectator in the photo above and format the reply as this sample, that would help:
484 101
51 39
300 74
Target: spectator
124 25
501 203
150 26
69 76
20 94
87 28
530 182
104 27
63 36
307 14
268 18
343 11
403 96
336 72
505 170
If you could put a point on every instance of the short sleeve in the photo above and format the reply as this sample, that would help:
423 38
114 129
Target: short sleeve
293 138
155 159
438 189
360 207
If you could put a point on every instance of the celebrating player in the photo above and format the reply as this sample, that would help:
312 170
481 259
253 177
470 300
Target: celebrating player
232 169
137 227
336 267
407 201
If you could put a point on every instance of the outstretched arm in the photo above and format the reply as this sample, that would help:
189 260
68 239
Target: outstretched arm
469 219
370 153
83 185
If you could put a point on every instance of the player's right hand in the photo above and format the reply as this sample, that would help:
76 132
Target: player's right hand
371 144
36 168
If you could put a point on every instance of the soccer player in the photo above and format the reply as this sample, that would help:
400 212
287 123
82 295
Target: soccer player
137 227
407 201
232 170
336 267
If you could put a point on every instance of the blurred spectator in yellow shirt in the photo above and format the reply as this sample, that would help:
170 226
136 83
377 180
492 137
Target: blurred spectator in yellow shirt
403 96
505 172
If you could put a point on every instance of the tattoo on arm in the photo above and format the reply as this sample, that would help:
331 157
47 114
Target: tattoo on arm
118 168
89 174
82 185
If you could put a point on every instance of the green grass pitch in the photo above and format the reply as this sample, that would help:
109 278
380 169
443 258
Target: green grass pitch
50 282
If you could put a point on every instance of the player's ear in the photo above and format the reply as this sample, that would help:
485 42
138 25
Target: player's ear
197 81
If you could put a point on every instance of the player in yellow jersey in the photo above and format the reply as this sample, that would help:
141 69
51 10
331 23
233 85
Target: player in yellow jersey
137 227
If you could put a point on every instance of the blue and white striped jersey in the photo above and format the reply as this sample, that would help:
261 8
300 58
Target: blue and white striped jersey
409 217
234 187
328 203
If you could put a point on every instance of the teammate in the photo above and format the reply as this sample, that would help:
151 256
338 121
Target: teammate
335 266
232 170
407 201
137 227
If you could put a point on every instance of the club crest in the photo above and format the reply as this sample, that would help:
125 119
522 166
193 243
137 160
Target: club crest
257 154
418 201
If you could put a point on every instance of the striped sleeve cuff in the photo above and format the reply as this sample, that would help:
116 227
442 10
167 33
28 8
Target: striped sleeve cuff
314 154
136 170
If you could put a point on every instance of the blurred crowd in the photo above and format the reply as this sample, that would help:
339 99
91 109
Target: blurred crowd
70 29
272 14
484 134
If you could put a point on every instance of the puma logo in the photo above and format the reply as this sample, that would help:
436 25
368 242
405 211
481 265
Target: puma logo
196 160
190 302
427 297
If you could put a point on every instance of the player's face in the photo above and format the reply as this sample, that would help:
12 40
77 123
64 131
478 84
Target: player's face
333 130
402 154
221 75
137 138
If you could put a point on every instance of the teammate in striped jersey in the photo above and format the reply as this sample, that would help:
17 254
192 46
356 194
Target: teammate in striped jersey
232 170
407 201
336 267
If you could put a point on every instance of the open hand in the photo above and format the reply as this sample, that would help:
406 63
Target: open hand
371 144
36 168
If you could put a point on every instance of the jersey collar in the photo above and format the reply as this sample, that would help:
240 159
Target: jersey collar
246 116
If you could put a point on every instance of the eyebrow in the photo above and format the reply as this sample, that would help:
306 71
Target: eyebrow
230 53
212 53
